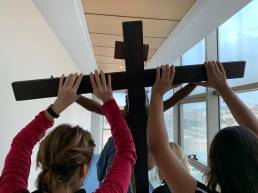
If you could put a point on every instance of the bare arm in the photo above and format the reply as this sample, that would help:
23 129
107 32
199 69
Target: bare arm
177 178
217 79
178 96
90 105
243 115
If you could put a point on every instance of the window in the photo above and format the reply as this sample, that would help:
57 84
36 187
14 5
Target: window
249 98
120 98
106 133
193 125
238 40
169 123
168 115
197 174
196 55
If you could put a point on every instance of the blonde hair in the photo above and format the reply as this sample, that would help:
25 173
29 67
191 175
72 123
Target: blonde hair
60 155
180 154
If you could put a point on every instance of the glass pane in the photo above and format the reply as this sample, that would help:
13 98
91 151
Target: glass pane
249 98
195 130
169 123
168 115
105 124
196 55
120 98
105 135
106 132
197 174
238 40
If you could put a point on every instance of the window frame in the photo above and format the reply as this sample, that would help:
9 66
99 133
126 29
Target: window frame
212 101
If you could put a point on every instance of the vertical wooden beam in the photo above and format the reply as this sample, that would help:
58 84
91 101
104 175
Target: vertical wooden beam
134 60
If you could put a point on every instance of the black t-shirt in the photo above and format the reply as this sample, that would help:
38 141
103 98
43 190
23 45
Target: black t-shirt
200 188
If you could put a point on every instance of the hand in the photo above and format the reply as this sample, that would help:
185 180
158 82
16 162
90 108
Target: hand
164 81
101 88
216 76
67 92
51 76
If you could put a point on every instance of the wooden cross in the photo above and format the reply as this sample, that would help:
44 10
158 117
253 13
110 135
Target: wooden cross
135 79
137 118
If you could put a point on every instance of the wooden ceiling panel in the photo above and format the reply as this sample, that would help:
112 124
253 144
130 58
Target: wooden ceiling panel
113 25
106 67
154 43
109 65
110 70
162 9
151 52
104 40
102 59
104 20
109 40
109 52
103 51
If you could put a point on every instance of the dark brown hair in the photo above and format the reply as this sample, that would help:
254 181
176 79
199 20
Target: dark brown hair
233 161
60 154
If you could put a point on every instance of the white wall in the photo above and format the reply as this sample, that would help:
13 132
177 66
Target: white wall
29 50
67 19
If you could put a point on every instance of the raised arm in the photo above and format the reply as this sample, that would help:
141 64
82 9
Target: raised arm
90 105
177 178
242 114
178 96
15 173
118 177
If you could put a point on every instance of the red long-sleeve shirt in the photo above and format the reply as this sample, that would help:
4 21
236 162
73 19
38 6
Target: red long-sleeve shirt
14 178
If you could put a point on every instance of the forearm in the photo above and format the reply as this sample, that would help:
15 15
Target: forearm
121 134
172 169
242 114
89 105
178 96
156 131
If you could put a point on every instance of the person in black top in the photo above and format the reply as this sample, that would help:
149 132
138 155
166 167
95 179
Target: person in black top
233 156
163 188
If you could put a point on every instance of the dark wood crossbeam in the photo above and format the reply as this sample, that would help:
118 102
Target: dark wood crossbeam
43 88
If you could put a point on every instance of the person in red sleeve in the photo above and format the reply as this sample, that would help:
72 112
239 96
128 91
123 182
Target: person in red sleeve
65 154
